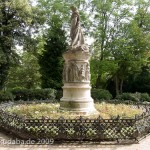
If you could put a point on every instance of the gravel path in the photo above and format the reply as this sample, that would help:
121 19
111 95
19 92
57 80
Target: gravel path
6 140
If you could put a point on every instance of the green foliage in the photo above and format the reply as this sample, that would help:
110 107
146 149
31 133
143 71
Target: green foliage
6 96
120 49
126 96
59 94
140 82
91 132
100 94
122 38
145 97
15 16
70 131
24 74
134 97
48 9
105 68
50 59
36 94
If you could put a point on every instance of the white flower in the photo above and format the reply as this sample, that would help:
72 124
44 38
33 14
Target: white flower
37 112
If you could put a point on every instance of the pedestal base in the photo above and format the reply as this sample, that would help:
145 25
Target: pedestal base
77 98
76 77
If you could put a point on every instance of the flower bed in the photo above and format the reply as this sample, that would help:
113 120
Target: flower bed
77 129
51 110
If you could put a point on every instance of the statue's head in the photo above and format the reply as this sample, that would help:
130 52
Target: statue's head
73 8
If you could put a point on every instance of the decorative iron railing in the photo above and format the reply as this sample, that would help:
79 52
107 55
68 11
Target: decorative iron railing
79 129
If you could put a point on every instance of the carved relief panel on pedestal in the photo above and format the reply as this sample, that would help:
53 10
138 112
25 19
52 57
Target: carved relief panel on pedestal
74 72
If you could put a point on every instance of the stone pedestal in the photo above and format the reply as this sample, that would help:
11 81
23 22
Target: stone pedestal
76 78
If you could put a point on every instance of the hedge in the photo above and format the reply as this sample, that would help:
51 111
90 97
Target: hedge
36 94
101 94
6 96
136 97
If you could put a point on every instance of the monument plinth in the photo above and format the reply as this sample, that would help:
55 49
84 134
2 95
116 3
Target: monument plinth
76 73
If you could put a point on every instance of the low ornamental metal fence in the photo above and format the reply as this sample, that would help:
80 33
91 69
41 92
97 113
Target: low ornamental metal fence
80 129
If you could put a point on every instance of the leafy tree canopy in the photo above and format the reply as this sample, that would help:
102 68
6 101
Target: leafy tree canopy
15 16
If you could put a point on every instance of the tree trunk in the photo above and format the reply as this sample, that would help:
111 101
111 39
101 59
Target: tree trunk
121 85
98 82
4 66
117 85
3 75
6 42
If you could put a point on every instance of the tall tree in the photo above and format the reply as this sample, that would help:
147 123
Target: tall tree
57 17
140 41
50 59
15 15
139 82
129 53
108 19
48 8
119 39
24 74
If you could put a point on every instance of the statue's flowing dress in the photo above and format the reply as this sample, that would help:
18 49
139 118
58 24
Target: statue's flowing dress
76 32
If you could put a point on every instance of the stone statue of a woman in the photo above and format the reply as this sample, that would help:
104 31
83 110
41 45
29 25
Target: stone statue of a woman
76 32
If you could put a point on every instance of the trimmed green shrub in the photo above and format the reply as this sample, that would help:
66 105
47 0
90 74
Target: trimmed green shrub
136 97
59 94
145 97
36 94
123 96
6 96
127 96
101 94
